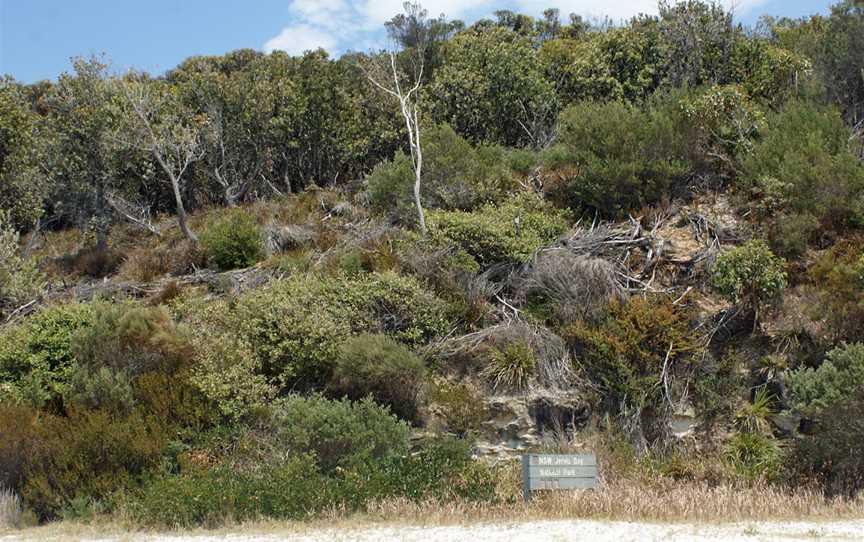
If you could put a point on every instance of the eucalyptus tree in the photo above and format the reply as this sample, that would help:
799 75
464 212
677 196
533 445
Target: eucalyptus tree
158 123
81 114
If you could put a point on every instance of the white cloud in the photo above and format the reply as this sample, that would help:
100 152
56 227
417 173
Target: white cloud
296 39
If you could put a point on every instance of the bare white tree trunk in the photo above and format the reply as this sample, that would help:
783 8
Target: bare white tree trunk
408 97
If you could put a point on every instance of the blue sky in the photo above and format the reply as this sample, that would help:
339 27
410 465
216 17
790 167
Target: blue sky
37 37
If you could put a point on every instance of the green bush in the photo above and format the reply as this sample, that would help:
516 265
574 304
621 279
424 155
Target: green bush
338 433
755 456
750 274
378 366
233 240
456 175
37 356
617 158
726 122
837 379
807 148
296 326
295 489
833 455
510 232
292 490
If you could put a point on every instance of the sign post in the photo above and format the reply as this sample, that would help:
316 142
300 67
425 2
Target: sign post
558 471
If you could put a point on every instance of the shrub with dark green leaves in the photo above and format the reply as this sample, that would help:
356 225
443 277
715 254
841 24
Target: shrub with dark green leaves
617 158
456 175
380 367
510 232
833 455
807 148
839 377
234 240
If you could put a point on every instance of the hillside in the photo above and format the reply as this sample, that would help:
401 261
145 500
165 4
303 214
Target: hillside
264 287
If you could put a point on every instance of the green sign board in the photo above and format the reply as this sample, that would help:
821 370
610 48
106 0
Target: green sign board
558 471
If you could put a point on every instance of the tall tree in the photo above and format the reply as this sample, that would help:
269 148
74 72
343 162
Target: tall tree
83 119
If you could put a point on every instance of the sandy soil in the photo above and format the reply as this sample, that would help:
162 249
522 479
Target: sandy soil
546 531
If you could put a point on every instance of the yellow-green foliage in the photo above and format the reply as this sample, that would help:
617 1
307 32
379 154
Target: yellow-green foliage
510 232
233 240
37 356
287 334
749 274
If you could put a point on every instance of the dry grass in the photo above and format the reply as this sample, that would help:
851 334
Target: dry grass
10 509
678 503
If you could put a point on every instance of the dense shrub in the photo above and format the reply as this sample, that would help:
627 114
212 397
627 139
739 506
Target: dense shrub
750 275
839 377
618 64
617 157
509 232
378 366
833 455
233 240
296 326
89 455
37 356
292 490
456 175
337 433
295 488
492 88
807 149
